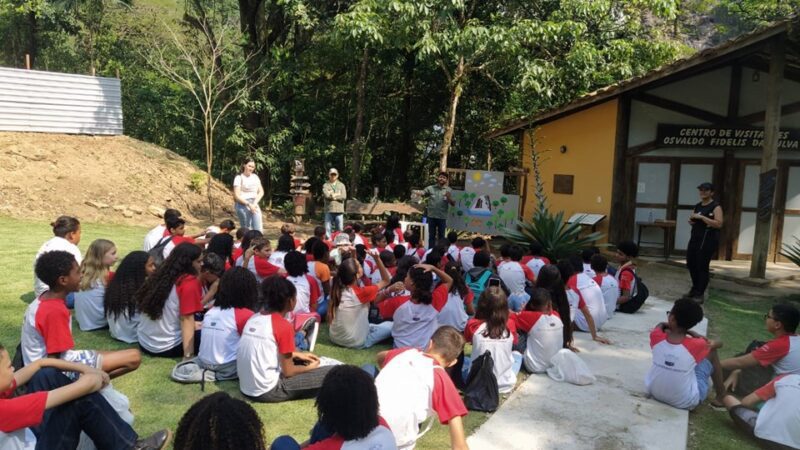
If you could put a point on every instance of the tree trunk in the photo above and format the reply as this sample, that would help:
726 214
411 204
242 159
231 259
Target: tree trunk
33 48
358 144
457 86
209 136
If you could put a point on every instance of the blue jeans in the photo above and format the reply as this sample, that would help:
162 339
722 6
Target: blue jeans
322 307
61 426
333 222
378 332
703 371
436 229
249 219
318 433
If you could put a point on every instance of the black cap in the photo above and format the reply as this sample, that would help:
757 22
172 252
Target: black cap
706 186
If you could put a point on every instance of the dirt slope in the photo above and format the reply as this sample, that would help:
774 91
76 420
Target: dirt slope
100 179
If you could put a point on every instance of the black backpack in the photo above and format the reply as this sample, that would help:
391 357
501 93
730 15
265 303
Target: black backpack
637 299
157 252
482 393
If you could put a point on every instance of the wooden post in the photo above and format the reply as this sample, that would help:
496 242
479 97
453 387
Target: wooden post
117 72
620 225
93 71
27 61
769 161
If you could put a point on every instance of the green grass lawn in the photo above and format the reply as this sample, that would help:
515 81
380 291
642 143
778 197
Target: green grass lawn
736 324
156 401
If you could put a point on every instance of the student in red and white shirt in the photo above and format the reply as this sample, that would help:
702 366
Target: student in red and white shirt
535 261
414 248
348 310
168 301
347 407
626 252
269 368
493 330
256 259
177 236
308 291
682 360
582 291
549 278
66 237
608 284
459 306
467 254
778 420
415 316
543 331
392 229
159 231
223 324
413 386
53 402
516 277
47 326
781 354
453 250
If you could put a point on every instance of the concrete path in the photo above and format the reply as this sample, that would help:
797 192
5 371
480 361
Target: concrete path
613 413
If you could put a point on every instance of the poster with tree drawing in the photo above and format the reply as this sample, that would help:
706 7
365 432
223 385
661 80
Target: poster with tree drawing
483 207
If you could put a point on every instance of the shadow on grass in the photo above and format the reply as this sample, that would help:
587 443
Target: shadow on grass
28 297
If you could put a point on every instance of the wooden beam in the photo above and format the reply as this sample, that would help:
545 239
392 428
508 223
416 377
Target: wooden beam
620 225
789 108
769 161
729 184
680 108
734 92
637 150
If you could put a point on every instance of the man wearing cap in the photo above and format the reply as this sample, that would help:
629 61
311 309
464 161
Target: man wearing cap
706 221
335 194
439 200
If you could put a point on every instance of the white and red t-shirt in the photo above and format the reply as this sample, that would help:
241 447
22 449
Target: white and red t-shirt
17 414
350 325
414 323
467 255
545 338
220 334
535 263
455 252
782 353
587 269
671 379
185 298
454 312
380 438
418 253
501 349
176 240
308 293
626 280
265 338
46 329
153 236
53 244
412 387
276 258
514 276
592 296
779 418
610 288
260 267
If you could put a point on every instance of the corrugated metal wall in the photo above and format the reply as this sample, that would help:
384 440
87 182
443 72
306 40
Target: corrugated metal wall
50 102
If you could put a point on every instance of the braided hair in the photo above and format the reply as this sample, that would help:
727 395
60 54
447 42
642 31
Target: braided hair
153 295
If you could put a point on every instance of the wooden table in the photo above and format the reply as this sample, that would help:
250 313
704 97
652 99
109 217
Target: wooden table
667 226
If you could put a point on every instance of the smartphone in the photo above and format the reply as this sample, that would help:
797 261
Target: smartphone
494 282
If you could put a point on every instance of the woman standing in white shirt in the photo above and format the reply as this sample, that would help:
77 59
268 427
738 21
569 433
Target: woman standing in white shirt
247 192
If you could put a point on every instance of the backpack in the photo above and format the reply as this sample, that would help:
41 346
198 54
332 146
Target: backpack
477 286
637 298
157 252
482 393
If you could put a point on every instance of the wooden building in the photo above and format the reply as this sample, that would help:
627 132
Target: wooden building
637 150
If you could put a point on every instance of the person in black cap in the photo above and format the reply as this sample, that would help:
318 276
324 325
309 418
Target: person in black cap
706 221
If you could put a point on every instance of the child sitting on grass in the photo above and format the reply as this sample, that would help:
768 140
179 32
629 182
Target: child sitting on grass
777 423
58 410
66 237
459 304
220 422
47 327
269 368
535 261
413 385
256 259
96 274
543 331
120 296
683 361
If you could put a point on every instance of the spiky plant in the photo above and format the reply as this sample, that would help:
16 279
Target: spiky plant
792 251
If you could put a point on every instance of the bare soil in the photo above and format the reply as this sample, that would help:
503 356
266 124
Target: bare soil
104 179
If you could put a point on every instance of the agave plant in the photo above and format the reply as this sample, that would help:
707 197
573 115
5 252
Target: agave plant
558 238
792 251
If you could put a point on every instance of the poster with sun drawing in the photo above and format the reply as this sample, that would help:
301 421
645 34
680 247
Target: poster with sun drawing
482 207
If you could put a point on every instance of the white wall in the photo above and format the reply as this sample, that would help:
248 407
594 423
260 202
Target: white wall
51 102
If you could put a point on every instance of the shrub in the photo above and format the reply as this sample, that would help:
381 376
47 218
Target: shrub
197 181
558 238
792 251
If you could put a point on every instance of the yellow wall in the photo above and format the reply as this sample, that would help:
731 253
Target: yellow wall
589 136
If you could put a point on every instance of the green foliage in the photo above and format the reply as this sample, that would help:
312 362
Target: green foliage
558 238
792 251
198 181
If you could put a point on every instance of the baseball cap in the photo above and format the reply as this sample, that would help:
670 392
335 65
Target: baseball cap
706 186
333 170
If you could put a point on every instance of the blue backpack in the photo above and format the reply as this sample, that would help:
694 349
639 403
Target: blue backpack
478 285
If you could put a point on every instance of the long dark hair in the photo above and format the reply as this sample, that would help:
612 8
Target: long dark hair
493 310
347 403
550 278
120 296
222 245
423 282
249 236
459 286
153 295
346 275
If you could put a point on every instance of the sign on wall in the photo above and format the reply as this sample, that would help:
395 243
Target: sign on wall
482 207
712 136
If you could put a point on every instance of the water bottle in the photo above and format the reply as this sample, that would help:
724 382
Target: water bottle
650 216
